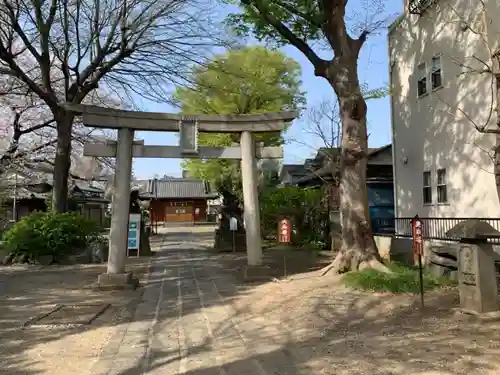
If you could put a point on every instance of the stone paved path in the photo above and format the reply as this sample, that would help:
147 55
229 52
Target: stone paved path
186 324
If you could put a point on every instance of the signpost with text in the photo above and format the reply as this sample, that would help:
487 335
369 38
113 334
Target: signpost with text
233 227
284 237
284 231
418 249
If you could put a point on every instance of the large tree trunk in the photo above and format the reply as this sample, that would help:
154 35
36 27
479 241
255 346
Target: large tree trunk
62 163
358 250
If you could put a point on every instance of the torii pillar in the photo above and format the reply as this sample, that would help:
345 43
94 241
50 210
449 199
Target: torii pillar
126 122
251 209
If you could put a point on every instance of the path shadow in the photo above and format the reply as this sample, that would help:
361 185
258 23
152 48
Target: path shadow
283 262
308 326
316 326
27 292
349 335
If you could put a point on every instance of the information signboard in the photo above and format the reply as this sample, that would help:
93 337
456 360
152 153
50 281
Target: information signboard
233 224
134 232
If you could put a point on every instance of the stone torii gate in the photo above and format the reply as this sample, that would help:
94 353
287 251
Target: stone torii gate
126 122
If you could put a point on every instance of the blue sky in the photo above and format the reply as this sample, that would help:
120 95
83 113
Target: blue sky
373 70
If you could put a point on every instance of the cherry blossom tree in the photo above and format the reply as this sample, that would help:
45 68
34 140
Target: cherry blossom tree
28 133
61 51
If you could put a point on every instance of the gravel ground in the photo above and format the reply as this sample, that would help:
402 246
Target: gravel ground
330 329
28 292
195 318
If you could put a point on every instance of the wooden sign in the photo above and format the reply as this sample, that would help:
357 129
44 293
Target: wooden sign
417 236
284 231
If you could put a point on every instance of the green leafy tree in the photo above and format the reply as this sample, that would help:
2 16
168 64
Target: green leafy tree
306 24
304 207
245 81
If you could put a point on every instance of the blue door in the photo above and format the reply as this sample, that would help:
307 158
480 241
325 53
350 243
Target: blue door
381 205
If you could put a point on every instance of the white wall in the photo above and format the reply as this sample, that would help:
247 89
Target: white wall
436 131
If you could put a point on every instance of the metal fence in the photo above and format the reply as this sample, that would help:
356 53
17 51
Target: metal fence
433 228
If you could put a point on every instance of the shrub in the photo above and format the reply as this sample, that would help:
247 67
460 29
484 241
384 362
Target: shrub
403 279
304 207
53 234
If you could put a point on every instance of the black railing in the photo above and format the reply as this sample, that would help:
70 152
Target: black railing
418 6
434 228
383 226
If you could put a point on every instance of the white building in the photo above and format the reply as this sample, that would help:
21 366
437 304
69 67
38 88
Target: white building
443 165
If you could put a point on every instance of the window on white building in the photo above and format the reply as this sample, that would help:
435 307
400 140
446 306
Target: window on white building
442 193
427 192
422 79
436 73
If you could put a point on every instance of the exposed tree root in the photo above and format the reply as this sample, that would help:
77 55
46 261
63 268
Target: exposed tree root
353 260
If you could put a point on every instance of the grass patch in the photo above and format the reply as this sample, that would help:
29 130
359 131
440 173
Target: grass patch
403 279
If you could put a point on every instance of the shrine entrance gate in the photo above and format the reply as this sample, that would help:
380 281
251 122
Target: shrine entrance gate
127 122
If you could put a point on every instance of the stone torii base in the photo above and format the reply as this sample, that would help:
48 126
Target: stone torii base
115 281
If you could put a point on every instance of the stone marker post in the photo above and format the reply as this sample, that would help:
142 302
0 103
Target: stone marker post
477 282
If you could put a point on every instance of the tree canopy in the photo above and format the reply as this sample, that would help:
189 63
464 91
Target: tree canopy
245 81
303 18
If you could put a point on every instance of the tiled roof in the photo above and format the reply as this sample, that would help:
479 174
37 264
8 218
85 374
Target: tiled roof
293 169
34 190
325 167
94 187
177 188
373 151
25 193
335 151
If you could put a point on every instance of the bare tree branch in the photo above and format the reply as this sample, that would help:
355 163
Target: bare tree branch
63 51
29 132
